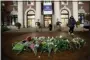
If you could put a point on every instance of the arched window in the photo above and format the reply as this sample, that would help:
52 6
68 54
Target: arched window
31 18
64 17
64 11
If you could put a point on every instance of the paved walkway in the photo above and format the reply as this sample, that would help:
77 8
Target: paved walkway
14 29
9 37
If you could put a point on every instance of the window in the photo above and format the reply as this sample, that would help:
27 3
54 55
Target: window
64 12
31 18
47 20
15 3
64 2
64 17
80 3
30 3
13 19
81 17
47 1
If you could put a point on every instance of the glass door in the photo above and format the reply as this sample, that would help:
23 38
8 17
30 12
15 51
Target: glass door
47 20
64 17
31 21
81 17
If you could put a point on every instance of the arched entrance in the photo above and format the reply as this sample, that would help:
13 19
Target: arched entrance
65 14
81 15
64 17
30 18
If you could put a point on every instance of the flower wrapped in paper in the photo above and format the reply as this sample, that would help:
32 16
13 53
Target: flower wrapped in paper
28 38
44 46
34 49
49 44
78 43
19 46
50 47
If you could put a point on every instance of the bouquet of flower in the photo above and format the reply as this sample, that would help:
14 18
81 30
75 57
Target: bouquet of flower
61 43
50 45
34 49
78 43
47 44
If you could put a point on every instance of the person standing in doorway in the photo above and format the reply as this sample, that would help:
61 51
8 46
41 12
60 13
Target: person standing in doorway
37 25
71 25
50 27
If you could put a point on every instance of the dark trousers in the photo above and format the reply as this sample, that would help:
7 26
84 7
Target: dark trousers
50 29
71 29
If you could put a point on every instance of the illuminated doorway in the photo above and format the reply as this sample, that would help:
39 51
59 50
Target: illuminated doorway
47 20
81 17
64 17
30 18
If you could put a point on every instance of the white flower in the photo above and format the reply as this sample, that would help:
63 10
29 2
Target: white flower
48 40
37 45
48 37
52 37
74 40
43 37
67 40
48 43
52 43
82 40
55 45
60 36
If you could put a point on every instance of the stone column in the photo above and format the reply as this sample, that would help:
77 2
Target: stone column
0 26
57 11
38 11
57 14
0 15
75 10
20 12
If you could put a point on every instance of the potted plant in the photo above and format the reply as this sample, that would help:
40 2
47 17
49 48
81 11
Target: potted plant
78 23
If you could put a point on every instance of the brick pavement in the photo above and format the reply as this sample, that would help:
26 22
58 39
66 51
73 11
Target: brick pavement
9 37
14 29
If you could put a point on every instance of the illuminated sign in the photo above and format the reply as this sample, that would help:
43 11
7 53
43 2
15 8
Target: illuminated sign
47 8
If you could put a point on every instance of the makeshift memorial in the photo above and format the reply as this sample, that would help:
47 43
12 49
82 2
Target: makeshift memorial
49 44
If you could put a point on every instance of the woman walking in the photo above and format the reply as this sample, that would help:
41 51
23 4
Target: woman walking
71 25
